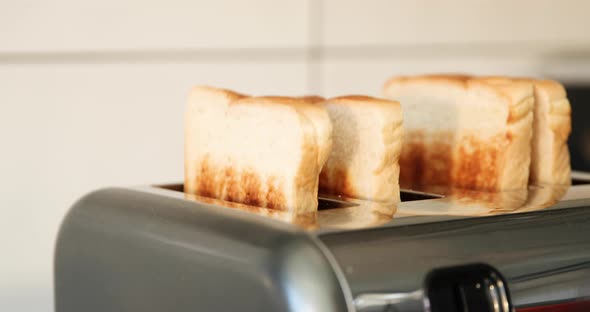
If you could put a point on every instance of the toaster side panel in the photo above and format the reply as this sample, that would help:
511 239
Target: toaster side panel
127 250
544 255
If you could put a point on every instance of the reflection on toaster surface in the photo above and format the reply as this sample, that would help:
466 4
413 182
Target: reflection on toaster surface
463 202
333 212
307 221
337 212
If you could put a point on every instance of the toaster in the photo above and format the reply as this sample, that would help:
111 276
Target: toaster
155 248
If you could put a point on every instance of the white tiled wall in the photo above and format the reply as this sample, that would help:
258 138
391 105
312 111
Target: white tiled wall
410 22
68 129
367 41
92 93
36 25
367 76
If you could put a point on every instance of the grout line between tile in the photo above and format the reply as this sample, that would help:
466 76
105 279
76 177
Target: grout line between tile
287 54
570 50
315 53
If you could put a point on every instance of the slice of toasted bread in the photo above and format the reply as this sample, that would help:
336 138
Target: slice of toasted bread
366 146
464 132
318 115
260 151
550 159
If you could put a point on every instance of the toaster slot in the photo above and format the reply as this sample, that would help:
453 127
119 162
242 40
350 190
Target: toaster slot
332 202
324 201
409 195
327 203
577 181
172 187
580 178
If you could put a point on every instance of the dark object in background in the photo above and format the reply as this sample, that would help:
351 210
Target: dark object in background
579 141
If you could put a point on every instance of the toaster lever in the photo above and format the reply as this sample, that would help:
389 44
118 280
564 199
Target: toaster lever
475 287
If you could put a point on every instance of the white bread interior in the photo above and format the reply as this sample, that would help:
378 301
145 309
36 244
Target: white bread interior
260 151
550 159
465 132
366 147
308 105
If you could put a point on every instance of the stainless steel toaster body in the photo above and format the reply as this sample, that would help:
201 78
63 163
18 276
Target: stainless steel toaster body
153 249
